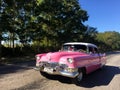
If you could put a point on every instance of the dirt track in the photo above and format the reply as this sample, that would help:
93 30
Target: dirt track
23 77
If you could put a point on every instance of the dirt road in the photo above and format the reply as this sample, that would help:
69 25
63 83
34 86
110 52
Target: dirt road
23 77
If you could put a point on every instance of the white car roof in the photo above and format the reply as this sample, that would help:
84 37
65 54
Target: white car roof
80 43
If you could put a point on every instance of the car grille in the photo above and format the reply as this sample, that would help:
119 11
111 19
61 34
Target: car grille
50 64
53 65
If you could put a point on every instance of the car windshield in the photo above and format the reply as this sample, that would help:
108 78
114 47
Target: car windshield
80 48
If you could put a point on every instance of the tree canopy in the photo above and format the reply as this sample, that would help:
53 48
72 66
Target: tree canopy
109 40
44 25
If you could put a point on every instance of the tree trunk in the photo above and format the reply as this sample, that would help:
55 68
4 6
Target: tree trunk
13 44
0 44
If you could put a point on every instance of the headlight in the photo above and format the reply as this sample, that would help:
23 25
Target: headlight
70 60
37 57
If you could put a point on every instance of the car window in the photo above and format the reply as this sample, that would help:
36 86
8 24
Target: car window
93 50
74 48
80 48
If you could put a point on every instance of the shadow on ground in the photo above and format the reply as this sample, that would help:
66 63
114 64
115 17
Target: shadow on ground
12 68
113 52
97 78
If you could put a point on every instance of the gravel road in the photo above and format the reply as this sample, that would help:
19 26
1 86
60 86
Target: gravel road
23 77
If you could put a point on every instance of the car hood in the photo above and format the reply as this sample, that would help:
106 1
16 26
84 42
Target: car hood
56 56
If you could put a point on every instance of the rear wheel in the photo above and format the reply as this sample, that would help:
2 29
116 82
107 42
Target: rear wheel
102 66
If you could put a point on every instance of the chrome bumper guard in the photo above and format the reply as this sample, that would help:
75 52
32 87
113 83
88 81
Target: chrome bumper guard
59 72
69 74
37 68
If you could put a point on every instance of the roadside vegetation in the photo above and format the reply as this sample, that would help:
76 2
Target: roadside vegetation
28 27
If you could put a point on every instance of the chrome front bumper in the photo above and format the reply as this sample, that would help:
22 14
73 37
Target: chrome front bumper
69 74
59 72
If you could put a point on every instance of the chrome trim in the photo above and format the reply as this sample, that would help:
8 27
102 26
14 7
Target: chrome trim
61 72
69 74
37 68
64 73
58 69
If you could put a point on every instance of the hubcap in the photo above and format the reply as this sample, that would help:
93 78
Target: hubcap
79 77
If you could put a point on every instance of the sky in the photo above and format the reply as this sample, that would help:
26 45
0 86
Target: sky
103 14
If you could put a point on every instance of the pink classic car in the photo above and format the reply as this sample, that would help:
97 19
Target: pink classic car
74 60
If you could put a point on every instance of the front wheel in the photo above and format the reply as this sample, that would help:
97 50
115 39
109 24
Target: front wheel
78 78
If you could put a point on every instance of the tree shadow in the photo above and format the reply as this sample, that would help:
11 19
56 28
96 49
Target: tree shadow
113 52
57 77
100 77
12 68
97 78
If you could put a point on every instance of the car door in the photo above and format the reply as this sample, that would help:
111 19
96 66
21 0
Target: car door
94 60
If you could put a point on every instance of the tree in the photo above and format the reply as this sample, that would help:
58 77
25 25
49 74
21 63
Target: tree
16 14
59 21
0 27
45 23
111 40
11 12
90 34
3 22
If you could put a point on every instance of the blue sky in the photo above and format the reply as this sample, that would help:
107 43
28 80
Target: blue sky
103 14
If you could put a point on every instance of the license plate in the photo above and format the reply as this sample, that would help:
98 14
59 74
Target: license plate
49 70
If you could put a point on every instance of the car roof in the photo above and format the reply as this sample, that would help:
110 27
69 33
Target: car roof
80 43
